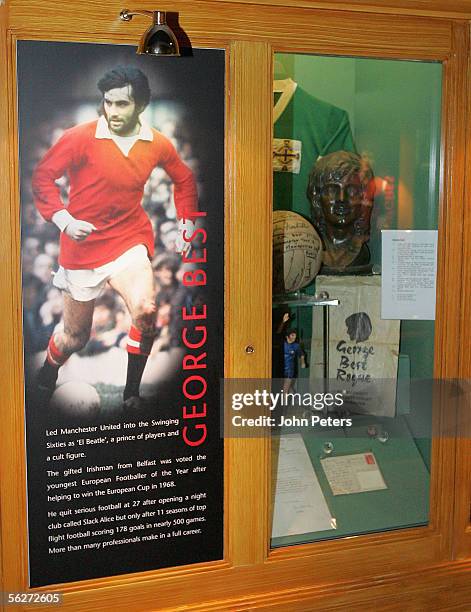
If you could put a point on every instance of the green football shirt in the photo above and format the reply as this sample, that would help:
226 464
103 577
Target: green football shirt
307 128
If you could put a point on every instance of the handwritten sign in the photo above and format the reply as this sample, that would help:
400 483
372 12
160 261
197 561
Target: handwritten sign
363 348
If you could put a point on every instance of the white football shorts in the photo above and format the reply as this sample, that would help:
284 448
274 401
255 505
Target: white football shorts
86 285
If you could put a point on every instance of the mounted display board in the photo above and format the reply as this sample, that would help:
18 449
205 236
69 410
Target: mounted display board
121 479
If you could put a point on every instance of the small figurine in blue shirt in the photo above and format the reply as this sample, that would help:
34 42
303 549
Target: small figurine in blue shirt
292 351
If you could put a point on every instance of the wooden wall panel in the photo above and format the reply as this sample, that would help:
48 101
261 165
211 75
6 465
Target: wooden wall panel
208 22
457 9
463 458
12 450
249 281
448 310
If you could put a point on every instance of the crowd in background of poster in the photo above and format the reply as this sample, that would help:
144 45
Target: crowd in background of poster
113 492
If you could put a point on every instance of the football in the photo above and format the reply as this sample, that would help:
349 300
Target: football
76 399
297 252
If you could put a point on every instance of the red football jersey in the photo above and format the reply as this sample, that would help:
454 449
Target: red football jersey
106 189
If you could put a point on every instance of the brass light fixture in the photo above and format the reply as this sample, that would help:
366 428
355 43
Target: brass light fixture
159 38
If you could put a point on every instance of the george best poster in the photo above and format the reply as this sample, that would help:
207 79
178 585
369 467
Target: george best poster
122 216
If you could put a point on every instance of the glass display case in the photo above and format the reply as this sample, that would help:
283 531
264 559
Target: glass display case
355 194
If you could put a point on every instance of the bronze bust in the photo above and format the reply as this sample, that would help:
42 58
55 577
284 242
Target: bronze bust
341 192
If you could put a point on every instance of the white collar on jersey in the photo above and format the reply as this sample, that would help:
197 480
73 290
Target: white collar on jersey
286 87
103 131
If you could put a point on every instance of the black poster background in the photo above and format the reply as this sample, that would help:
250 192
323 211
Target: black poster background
56 88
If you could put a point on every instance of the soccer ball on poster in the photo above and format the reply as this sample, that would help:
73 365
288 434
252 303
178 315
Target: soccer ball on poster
76 399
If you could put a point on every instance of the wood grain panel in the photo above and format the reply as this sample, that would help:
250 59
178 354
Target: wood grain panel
448 310
297 30
249 212
463 458
457 9
423 594
249 281
250 586
5 249
12 449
